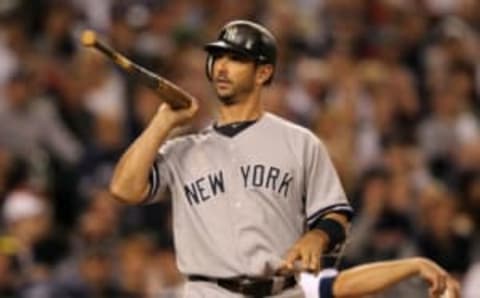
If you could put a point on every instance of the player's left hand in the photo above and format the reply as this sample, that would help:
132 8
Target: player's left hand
308 251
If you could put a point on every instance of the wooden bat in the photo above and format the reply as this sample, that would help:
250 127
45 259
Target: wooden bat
176 97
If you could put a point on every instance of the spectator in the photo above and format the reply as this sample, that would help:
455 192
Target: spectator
134 275
392 85
36 248
30 127
7 275
439 241
93 276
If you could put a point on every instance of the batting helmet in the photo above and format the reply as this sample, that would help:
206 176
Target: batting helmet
246 38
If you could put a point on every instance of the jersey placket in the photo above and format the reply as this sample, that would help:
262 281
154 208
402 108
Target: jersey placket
242 202
235 201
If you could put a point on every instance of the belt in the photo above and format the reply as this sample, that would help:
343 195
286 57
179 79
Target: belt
251 286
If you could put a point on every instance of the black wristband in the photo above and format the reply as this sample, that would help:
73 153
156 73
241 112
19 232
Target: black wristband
326 286
334 230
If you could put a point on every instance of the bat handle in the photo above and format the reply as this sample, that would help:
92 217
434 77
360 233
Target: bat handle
162 87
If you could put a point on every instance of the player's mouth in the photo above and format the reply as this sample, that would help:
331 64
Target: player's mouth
222 79
223 83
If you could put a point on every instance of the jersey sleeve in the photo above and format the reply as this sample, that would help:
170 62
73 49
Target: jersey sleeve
160 176
320 285
323 190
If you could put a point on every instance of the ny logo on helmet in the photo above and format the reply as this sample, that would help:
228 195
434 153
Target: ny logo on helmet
231 34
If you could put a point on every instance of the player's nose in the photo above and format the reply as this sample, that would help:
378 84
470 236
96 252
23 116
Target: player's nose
221 66
221 62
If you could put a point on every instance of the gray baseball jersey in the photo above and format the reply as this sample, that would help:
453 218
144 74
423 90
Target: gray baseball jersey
239 203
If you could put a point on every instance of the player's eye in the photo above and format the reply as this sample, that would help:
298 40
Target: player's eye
239 57
218 55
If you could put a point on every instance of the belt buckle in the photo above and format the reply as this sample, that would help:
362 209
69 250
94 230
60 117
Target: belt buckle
278 283
244 284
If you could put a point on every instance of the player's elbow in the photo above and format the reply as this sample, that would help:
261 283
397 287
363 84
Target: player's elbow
126 193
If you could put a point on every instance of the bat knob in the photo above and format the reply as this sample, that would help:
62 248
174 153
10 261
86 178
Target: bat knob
88 38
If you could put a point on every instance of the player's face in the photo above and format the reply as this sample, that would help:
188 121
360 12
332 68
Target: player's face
233 76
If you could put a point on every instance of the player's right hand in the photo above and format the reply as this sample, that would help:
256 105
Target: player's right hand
173 118
308 251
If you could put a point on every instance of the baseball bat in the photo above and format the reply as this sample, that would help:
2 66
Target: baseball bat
176 97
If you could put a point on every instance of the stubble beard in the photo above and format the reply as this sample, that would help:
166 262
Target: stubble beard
226 99
235 94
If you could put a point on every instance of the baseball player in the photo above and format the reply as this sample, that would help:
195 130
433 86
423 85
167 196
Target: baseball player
373 278
255 197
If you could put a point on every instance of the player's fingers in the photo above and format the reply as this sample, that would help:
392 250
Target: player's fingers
434 285
164 106
453 289
456 291
433 294
442 283
438 285
305 256
283 268
191 110
289 262
315 262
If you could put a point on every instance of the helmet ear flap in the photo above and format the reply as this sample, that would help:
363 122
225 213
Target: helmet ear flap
209 67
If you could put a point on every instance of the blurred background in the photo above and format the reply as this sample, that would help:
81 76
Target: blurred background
391 86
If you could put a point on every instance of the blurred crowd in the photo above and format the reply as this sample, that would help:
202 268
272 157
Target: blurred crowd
392 87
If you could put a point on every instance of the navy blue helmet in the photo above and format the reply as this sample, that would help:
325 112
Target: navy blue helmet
246 38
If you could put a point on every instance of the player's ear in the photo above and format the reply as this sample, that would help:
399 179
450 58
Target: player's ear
264 73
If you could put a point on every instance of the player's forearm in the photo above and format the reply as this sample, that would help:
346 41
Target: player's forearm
373 278
130 178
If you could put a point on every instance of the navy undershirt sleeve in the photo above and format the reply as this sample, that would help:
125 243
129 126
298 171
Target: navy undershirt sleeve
325 287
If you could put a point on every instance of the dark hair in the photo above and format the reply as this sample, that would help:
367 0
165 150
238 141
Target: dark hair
462 67
17 174
393 221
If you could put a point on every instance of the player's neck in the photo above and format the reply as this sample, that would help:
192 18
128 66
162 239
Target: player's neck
248 109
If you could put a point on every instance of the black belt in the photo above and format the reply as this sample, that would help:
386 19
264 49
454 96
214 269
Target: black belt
251 286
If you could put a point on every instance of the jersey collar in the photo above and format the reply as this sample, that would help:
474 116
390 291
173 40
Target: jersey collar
232 129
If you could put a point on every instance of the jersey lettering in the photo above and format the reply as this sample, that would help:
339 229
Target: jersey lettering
285 184
273 174
204 188
216 182
260 176
200 186
258 171
245 171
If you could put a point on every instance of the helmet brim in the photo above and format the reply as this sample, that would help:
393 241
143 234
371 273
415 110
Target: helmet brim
222 46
